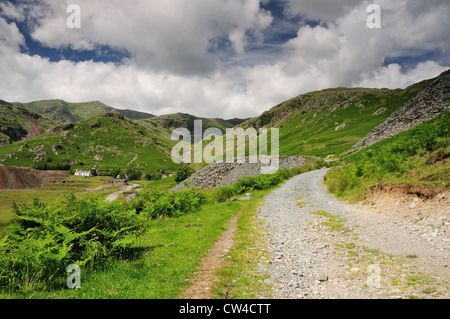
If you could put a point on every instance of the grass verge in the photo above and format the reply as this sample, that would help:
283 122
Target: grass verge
162 260
240 278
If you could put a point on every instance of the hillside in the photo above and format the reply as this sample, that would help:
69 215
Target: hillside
418 156
104 142
62 111
426 105
165 124
17 123
333 120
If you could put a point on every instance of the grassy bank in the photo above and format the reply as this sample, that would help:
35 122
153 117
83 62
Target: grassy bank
419 156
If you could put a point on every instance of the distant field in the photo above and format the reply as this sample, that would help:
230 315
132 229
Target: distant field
81 186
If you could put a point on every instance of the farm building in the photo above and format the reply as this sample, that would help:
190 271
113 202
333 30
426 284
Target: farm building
82 173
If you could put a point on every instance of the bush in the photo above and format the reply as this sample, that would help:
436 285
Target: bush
183 173
250 183
152 176
154 204
45 238
134 175
224 193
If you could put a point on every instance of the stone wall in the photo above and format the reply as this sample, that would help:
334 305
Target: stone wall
225 174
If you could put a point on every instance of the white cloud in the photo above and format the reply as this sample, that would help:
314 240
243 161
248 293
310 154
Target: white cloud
7 9
173 66
10 36
172 35
323 10
391 76
347 53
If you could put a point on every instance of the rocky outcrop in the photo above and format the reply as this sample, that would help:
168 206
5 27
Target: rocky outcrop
426 105
340 127
225 174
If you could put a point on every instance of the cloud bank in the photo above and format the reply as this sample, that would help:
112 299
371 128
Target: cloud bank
215 58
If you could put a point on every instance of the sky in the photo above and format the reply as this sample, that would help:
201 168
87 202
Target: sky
214 58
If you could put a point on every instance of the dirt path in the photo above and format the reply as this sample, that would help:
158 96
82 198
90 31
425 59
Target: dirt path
205 278
125 189
323 248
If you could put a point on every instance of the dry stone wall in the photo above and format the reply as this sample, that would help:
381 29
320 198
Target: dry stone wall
225 174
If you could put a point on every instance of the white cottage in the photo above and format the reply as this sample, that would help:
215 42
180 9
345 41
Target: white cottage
83 173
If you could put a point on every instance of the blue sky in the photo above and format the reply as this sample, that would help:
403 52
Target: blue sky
215 58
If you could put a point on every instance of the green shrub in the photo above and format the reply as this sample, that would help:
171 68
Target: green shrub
250 183
152 176
154 204
48 164
47 237
224 193
183 172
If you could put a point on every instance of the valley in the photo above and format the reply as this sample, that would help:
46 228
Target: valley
363 180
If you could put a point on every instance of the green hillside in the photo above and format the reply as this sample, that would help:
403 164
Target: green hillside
103 142
333 120
418 156
17 123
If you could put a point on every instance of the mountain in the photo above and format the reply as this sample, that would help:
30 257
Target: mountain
331 121
165 124
426 105
91 135
17 123
319 123
108 141
62 111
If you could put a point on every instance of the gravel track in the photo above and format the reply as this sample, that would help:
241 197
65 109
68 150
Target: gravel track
311 260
